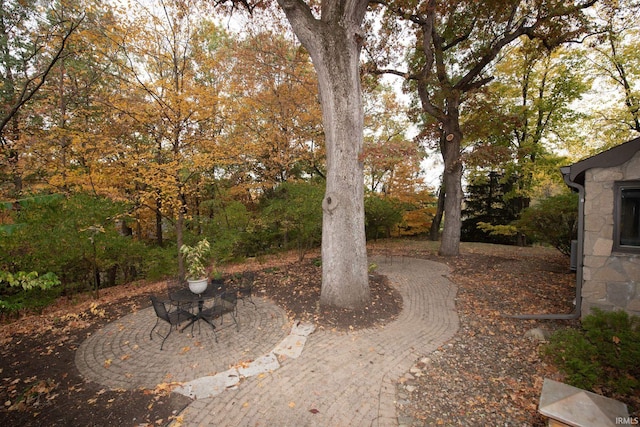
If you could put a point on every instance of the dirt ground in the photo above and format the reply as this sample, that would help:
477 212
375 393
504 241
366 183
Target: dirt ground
489 373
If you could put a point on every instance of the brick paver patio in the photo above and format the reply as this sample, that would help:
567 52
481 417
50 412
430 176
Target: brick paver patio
339 379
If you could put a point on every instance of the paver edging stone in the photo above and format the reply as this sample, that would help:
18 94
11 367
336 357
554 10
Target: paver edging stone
209 386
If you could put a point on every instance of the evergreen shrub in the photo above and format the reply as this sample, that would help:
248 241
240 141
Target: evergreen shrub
604 353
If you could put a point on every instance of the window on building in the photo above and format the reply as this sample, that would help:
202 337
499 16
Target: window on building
626 226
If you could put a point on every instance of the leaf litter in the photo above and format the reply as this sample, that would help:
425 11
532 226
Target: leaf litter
488 374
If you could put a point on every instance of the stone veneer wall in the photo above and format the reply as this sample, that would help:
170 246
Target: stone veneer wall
611 280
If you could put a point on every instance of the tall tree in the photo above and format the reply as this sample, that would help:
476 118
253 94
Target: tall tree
33 38
72 132
486 206
457 45
334 40
616 66
172 59
524 116
275 109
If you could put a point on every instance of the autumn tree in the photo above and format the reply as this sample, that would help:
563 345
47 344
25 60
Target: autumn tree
275 109
526 115
392 166
74 132
615 64
457 45
33 38
172 58
386 144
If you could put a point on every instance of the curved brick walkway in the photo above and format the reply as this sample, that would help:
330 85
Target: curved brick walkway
340 379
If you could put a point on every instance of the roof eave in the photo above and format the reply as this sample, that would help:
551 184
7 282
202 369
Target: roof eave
613 157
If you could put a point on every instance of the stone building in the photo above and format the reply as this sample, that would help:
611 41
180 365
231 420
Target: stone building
608 247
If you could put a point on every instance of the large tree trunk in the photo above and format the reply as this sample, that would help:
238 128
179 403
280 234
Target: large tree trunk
334 45
452 179
344 254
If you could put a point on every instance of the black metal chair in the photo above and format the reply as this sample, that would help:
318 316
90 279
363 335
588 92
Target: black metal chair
218 286
172 317
245 289
226 303
176 287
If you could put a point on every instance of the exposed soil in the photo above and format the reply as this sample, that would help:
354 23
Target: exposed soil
489 374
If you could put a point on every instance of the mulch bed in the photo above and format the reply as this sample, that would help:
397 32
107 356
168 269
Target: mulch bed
296 288
489 374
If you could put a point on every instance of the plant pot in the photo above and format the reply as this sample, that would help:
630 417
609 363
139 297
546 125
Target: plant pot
198 286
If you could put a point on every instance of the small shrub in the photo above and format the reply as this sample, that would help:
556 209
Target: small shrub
604 353
553 220
33 300
382 215
576 357
27 290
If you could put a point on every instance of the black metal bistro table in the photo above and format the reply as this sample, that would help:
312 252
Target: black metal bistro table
186 296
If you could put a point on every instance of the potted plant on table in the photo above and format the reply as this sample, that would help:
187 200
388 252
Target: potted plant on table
195 258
